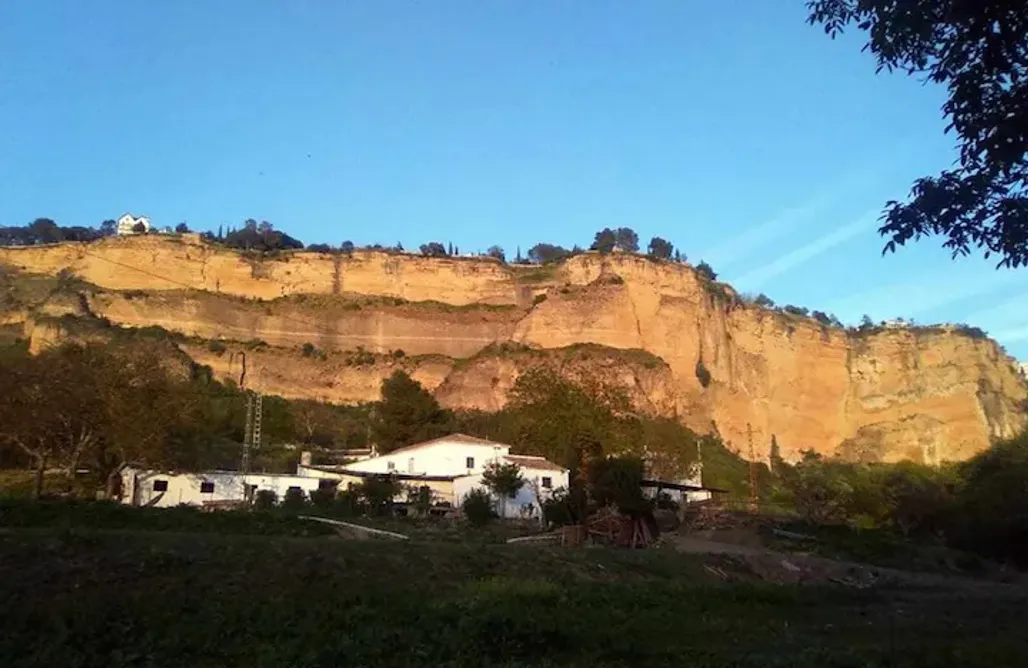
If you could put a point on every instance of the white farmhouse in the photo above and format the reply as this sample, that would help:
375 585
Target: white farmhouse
163 489
451 467
128 222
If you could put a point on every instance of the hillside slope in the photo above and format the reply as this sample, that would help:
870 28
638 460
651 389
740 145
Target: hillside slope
466 328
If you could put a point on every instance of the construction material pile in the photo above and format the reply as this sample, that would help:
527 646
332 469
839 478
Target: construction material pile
607 526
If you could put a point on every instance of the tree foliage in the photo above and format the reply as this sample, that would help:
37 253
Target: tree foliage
46 231
434 249
547 253
74 405
706 271
407 414
496 252
503 480
604 241
627 240
478 507
262 237
976 49
660 249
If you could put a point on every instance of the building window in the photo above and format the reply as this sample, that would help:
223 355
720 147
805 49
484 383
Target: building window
390 466
295 490
410 465
207 488
160 485
547 482
327 484
470 462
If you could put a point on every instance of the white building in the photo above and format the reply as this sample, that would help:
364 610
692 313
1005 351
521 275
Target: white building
128 222
451 467
161 489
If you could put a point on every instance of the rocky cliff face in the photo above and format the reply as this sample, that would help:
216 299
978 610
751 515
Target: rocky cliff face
466 328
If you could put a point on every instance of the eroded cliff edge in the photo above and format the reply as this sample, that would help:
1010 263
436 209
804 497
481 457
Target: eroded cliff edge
466 328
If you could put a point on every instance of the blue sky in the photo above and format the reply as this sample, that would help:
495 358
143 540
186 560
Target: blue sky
729 127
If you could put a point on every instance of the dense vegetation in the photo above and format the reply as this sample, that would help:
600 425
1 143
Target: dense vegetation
78 408
977 51
980 505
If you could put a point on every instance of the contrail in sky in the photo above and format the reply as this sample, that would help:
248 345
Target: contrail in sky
798 256
755 237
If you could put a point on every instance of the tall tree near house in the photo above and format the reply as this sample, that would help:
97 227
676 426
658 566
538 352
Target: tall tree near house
182 228
504 481
976 49
407 414
109 227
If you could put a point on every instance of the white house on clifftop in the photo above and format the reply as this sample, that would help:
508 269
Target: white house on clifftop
128 222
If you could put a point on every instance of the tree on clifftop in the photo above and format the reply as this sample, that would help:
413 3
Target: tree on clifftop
706 271
604 241
627 239
546 253
433 249
407 414
978 49
496 252
660 249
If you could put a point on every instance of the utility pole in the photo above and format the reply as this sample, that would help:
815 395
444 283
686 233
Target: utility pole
254 417
754 494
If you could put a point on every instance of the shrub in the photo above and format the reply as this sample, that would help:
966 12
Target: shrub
378 493
419 498
294 499
217 347
323 497
309 349
702 374
558 510
538 299
348 502
478 507
265 499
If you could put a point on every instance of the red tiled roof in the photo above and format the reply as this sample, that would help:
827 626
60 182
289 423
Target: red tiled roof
533 462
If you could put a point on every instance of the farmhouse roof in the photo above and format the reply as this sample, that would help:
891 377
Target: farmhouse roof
533 462
453 438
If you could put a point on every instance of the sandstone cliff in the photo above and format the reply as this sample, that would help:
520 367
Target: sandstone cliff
680 345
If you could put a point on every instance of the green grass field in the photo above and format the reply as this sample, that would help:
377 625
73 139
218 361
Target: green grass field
211 591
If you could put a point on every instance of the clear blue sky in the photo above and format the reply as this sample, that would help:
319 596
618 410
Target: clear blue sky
729 127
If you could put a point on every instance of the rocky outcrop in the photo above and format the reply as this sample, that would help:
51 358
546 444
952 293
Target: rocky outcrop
466 328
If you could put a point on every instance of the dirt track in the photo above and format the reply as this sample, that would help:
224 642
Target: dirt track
792 568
